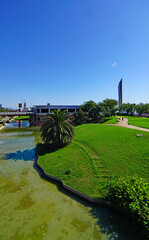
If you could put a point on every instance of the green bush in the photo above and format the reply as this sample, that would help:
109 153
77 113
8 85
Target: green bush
132 195
80 117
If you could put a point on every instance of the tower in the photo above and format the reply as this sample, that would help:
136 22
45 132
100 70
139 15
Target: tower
120 101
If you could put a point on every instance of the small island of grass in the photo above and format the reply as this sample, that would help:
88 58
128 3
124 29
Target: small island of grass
102 161
97 154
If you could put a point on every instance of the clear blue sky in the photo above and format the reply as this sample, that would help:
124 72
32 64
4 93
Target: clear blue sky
71 51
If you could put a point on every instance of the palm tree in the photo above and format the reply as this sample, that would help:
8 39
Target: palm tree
57 128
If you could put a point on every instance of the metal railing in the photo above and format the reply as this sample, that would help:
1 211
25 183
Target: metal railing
16 113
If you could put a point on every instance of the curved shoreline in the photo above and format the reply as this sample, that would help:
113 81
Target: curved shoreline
76 193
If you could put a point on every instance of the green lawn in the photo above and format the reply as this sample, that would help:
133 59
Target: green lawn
22 118
75 159
138 121
97 153
111 120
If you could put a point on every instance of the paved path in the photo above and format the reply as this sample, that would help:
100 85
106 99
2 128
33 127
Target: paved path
123 122
7 123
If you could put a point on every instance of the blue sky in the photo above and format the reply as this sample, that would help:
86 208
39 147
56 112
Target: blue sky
68 52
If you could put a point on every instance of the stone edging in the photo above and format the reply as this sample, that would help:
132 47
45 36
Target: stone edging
74 192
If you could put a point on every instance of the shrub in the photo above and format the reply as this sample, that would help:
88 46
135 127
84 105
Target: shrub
80 117
132 195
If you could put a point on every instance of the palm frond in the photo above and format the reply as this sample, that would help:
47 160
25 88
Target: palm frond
57 127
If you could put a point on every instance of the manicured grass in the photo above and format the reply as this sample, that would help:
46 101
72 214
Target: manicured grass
22 118
97 153
138 121
111 120
74 159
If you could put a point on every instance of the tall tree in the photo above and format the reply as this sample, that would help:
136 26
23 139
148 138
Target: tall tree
111 103
57 128
86 107
128 108
94 114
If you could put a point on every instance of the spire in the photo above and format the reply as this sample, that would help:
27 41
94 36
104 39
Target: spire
120 100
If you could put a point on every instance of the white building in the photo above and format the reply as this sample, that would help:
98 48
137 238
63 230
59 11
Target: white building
42 110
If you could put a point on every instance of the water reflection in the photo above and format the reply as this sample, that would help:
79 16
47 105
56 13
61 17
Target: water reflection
17 124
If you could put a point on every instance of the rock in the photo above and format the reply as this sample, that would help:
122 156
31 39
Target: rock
139 135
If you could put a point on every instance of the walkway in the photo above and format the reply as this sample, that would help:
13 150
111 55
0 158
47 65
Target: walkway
7 118
16 113
123 122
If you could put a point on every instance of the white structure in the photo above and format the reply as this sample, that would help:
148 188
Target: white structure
42 110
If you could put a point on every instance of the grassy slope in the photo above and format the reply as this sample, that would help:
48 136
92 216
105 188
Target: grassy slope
111 120
22 118
138 121
120 149
74 158
98 152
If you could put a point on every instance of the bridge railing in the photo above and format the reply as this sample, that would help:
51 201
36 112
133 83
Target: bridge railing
16 113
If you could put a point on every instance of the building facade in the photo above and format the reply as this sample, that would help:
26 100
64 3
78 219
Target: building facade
41 111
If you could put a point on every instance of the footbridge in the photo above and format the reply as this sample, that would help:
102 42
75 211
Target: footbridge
5 116
16 113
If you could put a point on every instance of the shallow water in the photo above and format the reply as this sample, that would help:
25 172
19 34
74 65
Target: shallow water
17 124
32 208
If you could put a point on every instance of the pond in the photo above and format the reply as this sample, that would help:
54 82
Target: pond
32 208
17 124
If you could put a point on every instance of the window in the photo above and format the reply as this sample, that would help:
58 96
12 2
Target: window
44 110
71 110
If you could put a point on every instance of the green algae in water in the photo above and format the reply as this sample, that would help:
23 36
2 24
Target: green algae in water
80 225
11 186
24 203
96 234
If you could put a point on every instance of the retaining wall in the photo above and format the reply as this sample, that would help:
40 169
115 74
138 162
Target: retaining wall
74 192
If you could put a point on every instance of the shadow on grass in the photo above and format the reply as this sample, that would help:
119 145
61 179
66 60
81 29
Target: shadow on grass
26 155
43 148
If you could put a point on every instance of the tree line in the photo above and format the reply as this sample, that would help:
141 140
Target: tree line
131 109
91 112
58 128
